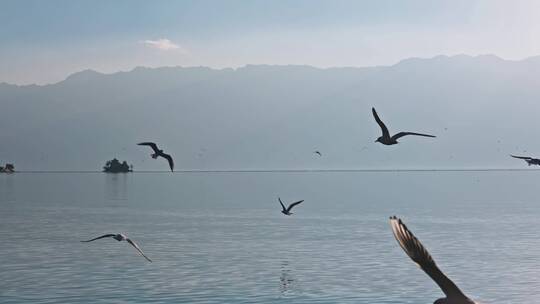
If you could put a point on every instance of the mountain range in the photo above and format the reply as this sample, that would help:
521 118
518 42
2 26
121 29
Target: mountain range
481 108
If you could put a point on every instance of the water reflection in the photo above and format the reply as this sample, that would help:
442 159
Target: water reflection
286 278
7 184
116 188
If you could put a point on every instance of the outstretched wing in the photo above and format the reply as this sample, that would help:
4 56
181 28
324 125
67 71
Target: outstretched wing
282 206
151 145
138 249
169 159
401 134
521 157
381 124
99 237
419 254
294 204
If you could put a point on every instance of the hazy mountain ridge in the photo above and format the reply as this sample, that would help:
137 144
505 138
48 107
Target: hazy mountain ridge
262 116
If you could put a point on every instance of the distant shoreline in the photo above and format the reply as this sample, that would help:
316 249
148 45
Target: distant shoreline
301 170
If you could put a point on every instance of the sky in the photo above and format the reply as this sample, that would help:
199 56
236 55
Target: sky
45 41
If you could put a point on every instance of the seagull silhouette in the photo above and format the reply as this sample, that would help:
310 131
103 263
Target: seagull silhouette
120 237
529 160
419 254
386 139
287 211
158 152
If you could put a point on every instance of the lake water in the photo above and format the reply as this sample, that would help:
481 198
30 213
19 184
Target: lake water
220 237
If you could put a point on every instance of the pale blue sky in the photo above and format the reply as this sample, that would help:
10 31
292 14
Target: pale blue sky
44 41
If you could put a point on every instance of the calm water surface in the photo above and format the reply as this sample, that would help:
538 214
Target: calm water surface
220 238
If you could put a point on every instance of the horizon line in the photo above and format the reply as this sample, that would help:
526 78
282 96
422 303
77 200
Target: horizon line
296 170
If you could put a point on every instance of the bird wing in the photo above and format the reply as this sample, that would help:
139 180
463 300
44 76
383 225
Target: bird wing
169 159
521 157
419 254
381 124
294 204
401 134
151 145
282 206
138 249
99 237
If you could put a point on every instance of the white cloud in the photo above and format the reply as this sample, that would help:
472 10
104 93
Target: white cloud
161 44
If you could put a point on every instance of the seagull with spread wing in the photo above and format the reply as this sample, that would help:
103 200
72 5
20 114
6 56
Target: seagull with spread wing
120 237
419 254
287 211
530 161
158 152
386 139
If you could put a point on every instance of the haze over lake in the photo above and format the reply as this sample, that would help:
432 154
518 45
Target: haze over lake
274 117
220 238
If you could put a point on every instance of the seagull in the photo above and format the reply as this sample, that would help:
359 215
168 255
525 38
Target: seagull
419 254
158 152
287 211
386 139
317 152
120 237
529 160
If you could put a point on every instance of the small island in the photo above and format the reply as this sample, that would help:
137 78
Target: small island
8 168
114 166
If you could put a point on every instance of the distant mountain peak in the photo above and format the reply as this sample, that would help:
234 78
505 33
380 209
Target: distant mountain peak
84 75
452 59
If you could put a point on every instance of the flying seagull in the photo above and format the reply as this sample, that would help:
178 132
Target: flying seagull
419 254
158 152
120 237
287 211
386 139
318 153
529 160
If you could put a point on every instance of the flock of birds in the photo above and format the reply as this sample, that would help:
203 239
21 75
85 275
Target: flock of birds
405 238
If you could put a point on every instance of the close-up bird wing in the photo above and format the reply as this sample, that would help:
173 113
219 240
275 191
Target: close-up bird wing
151 145
419 254
384 129
99 237
138 249
294 204
282 206
521 157
169 159
401 134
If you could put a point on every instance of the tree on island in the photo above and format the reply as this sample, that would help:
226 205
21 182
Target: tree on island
114 166
9 168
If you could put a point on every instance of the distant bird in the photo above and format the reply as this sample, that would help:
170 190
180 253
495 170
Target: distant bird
120 237
419 254
386 139
158 152
530 161
287 211
317 152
